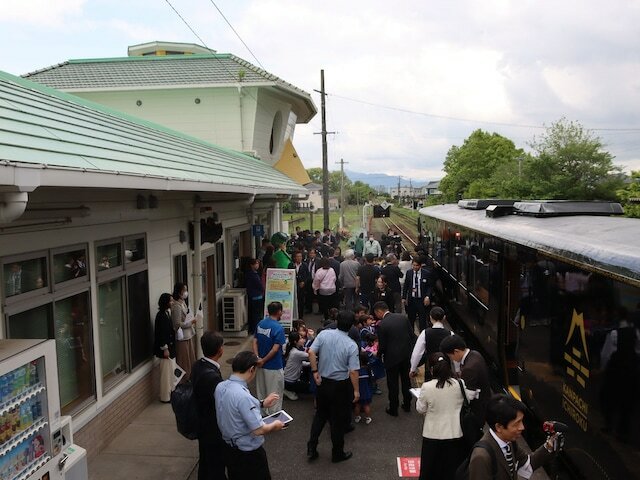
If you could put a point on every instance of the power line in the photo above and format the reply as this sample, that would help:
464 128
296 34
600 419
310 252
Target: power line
460 119
237 34
189 26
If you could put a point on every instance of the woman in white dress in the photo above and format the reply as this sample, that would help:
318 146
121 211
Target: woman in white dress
185 346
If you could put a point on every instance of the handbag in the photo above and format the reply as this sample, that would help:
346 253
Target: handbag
471 427
179 334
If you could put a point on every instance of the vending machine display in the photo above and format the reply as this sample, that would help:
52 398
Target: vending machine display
30 424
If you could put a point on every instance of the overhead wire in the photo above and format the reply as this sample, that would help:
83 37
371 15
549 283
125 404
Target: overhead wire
237 34
461 119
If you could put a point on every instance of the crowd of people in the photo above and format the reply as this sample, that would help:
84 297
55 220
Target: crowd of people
380 321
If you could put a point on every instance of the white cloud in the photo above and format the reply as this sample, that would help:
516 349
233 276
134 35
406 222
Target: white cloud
44 13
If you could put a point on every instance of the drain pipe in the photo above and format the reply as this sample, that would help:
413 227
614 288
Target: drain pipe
12 205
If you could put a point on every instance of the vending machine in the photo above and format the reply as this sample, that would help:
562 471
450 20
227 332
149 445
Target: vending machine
35 440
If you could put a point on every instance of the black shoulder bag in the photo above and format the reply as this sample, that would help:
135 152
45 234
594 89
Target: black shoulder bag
471 427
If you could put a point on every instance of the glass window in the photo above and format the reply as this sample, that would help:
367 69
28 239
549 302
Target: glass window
139 318
25 276
109 256
73 347
180 269
111 321
34 323
69 265
134 249
220 264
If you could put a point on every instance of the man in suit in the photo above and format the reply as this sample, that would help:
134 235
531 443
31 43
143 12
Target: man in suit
504 416
312 264
395 343
416 293
302 279
205 377
473 370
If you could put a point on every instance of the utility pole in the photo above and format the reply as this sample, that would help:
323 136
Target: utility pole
325 161
342 162
398 189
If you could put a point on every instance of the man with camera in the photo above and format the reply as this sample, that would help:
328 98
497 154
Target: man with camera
499 456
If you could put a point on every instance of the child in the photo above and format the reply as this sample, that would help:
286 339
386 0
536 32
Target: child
367 329
366 395
377 368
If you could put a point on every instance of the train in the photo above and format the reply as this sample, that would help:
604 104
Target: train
549 292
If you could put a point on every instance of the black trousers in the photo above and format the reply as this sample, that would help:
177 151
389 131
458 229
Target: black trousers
334 399
301 292
255 314
211 465
439 459
398 374
416 308
326 303
247 465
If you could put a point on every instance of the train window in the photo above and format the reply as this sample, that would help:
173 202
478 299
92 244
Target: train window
481 275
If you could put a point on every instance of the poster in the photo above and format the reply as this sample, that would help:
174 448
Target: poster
281 287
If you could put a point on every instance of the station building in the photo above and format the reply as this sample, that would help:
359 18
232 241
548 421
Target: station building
101 212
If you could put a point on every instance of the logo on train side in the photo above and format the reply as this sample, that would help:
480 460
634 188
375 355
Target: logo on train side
576 357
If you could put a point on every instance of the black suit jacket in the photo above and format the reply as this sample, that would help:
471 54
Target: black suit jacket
480 464
475 374
395 339
205 377
164 334
303 274
426 284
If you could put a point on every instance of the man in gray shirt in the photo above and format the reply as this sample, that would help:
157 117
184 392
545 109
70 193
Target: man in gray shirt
338 385
348 271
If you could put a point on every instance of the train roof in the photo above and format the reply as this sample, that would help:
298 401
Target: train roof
608 243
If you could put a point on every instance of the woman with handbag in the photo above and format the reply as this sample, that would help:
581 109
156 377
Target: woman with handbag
183 325
324 285
164 345
441 401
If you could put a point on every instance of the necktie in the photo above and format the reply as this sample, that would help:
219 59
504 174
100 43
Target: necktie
417 282
509 457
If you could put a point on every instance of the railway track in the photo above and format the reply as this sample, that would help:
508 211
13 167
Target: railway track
402 228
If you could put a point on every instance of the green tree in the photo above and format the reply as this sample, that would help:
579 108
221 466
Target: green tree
569 162
359 192
482 167
315 174
630 196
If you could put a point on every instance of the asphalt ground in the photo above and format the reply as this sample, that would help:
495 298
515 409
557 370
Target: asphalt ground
375 446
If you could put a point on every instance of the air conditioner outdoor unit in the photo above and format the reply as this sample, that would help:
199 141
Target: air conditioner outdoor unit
234 311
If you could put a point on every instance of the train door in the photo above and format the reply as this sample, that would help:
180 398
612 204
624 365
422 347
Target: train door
510 313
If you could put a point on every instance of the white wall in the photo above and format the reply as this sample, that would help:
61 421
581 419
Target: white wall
217 118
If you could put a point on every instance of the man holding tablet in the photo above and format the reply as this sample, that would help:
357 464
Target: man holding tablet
338 385
240 422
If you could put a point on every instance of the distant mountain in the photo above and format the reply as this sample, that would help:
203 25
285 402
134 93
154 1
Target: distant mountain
379 179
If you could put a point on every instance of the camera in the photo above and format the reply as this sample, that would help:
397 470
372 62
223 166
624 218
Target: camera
555 434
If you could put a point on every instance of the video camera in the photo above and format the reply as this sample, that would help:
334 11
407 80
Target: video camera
556 430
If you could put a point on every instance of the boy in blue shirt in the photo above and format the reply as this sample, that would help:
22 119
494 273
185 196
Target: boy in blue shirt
268 342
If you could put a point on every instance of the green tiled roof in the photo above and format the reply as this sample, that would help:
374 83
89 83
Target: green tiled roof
49 129
159 71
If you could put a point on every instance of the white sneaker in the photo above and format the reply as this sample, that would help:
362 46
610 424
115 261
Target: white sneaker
290 395
368 420
357 419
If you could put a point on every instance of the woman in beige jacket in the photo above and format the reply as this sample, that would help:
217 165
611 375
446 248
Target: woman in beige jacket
440 401
185 347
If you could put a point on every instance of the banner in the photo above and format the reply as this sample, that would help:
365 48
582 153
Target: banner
281 287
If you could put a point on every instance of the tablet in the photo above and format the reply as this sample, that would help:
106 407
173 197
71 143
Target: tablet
283 416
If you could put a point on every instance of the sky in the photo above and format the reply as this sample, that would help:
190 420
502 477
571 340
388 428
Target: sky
406 80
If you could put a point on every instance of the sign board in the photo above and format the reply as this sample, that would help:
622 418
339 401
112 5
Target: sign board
281 287
257 230
384 205
408 467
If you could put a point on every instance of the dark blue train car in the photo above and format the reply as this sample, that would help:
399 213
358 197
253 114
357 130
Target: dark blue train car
550 291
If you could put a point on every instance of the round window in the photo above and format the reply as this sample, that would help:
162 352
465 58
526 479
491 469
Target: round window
276 133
